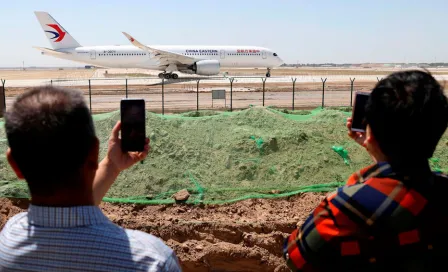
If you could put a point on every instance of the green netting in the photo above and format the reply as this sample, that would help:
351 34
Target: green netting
343 153
222 157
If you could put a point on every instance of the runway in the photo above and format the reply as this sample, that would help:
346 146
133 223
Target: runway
213 80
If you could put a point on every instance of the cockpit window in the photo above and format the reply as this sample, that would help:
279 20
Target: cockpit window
275 54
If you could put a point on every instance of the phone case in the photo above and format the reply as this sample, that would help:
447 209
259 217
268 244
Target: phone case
133 127
353 110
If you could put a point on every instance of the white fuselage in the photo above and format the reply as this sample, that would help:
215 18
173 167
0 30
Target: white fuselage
129 56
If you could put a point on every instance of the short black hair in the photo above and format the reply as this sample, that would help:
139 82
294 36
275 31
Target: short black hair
408 114
50 132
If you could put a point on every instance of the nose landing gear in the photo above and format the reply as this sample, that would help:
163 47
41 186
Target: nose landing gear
268 74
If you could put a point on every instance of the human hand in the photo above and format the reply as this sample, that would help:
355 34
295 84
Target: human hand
118 159
359 137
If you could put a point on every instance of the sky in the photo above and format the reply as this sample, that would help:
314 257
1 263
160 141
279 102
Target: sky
299 31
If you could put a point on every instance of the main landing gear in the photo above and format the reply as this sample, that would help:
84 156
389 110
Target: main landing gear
168 76
268 74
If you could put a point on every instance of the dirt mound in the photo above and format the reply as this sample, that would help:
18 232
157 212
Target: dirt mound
220 158
245 236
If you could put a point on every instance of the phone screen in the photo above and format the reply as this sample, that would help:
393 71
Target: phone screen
133 119
358 122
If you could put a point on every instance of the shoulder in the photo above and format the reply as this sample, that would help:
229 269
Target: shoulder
146 249
147 241
13 221
365 202
145 244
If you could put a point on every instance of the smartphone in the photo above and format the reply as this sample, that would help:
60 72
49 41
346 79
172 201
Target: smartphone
358 112
133 123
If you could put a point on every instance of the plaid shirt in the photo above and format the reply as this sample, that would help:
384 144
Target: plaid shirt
377 221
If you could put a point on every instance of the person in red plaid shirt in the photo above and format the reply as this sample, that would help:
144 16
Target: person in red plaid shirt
392 215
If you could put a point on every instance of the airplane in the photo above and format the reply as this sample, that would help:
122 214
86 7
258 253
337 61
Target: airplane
190 59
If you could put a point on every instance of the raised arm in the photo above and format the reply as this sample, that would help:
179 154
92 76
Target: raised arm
114 162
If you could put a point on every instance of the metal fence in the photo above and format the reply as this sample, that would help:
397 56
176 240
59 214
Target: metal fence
196 93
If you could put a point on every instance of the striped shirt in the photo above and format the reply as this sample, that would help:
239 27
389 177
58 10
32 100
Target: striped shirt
378 221
78 238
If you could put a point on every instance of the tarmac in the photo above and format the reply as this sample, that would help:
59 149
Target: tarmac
213 80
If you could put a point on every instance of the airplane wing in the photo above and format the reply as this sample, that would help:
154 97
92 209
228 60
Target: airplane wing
163 57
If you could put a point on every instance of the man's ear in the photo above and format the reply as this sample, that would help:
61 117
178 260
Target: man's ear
13 164
369 135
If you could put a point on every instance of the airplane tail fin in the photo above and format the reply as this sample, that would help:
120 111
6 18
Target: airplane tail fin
59 38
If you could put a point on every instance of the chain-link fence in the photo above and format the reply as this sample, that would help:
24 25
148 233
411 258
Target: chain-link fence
192 94
196 93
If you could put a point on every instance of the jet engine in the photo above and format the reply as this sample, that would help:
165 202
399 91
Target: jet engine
206 67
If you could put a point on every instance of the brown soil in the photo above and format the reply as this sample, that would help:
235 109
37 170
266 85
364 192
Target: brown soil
244 236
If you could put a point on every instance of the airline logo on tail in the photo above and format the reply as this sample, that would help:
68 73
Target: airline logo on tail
58 34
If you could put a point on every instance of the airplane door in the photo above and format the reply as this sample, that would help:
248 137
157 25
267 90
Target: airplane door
263 54
92 54
223 54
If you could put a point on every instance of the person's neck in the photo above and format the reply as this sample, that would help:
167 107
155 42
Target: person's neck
413 168
63 200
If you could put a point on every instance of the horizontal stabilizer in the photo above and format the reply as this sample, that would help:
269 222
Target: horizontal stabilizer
51 51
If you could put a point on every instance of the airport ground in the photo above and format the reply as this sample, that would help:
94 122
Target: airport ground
79 73
108 88
184 98
243 236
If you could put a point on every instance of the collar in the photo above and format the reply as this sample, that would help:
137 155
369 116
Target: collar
384 169
380 169
65 217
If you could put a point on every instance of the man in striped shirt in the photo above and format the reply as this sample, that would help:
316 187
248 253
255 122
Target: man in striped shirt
53 146
392 215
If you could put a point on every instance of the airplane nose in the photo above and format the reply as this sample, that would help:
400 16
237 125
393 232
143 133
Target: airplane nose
280 61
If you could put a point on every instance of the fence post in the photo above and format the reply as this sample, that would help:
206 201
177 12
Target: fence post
90 97
3 94
51 82
293 90
163 96
323 90
264 81
197 94
351 91
126 88
231 93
